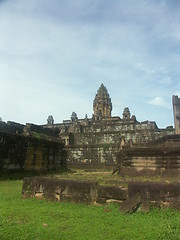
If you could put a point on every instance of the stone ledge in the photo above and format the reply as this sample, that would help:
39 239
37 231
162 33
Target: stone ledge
155 194
71 191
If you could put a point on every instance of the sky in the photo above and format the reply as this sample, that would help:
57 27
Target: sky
55 54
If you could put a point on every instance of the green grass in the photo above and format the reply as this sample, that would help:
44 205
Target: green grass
107 178
22 219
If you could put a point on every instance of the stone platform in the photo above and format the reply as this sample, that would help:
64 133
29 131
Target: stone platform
153 193
71 191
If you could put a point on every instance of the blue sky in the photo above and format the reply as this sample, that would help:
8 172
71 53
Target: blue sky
54 55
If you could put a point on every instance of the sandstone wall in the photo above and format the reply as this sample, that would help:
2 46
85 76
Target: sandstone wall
176 110
99 143
18 152
158 157
94 143
156 194
30 128
11 127
71 191
92 156
138 136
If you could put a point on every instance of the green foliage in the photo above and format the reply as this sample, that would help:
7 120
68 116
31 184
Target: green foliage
24 219
107 178
40 136
36 135
106 146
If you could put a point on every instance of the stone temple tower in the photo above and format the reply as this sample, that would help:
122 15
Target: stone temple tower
102 105
176 110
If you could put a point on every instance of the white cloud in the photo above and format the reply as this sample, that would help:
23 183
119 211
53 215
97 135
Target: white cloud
54 56
159 101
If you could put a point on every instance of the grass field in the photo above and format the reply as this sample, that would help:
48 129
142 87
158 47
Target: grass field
34 219
107 178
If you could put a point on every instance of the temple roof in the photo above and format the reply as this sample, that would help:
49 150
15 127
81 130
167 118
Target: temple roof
102 103
102 93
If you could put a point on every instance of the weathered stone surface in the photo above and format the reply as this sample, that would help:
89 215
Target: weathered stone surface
50 120
102 105
160 157
131 204
18 152
145 206
38 131
138 196
176 109
158 194
126 114
59 190
68 190
11 127
111 192
114 201
134 203
74 117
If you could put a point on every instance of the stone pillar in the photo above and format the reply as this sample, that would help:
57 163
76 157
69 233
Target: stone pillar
176 110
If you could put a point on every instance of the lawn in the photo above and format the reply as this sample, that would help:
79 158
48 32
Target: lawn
36 219
107 178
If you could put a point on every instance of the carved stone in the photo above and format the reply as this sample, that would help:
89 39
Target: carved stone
102 105
126 114
74 117
50 120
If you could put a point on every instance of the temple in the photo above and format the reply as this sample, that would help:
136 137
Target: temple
100 142
97 141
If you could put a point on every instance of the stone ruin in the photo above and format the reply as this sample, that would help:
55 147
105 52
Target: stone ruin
101 142
30 148
176 109
122 144
135 196
71 190
50 120
102 105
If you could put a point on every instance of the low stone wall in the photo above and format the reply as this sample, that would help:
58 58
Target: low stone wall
158 194
18 153
161 157
100 156
155 194
138 162
71 191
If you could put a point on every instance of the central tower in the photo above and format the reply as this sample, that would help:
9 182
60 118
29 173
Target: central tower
102 105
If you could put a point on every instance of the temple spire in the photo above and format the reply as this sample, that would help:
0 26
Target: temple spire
102 105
